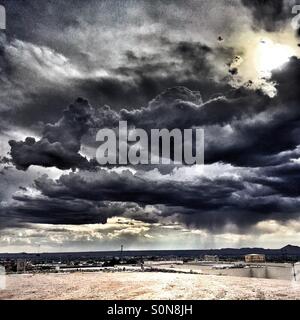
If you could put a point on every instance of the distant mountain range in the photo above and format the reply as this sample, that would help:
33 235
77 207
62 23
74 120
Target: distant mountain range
287 251
291 249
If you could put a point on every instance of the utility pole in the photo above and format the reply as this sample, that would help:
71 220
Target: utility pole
121 253
294 272
60 251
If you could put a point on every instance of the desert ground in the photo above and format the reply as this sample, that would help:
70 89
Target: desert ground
138 285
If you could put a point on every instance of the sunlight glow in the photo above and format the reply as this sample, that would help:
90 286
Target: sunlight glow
270 56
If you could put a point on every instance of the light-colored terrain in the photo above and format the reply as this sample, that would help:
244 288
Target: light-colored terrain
138 285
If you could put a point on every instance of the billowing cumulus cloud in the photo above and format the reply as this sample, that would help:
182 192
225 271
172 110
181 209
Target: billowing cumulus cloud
60 144
237 125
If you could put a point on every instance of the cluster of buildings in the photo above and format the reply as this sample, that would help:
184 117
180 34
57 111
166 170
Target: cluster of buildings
255 258
23 265
249 258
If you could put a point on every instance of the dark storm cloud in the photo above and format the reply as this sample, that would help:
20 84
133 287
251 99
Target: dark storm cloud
282 179
60 143
56 211
269 14
181 108
261 142
129 187
50 57
142 77
175 108
69 211
139 80
203 202
259 131
189 64
263 133
64 28
270 137
4 160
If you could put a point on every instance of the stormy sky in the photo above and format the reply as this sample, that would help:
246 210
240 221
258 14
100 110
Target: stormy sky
70 68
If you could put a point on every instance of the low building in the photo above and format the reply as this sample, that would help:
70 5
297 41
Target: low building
2 278
296 271
255 258
210 258
21 265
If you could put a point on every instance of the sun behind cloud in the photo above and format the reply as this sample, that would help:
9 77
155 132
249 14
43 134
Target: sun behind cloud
270 56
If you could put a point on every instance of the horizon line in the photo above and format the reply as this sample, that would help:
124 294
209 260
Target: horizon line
146 250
